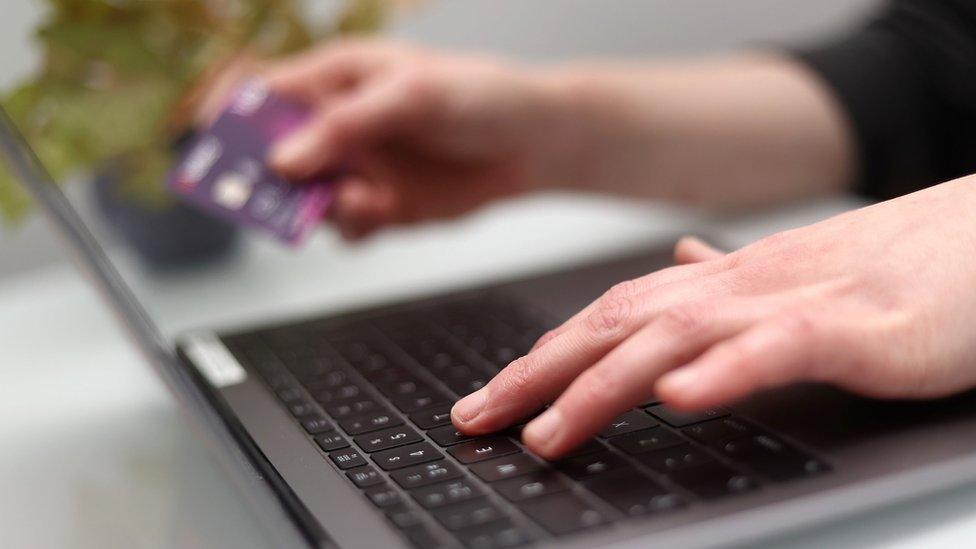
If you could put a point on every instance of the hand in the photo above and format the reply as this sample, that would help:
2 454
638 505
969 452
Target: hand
419 135
880 301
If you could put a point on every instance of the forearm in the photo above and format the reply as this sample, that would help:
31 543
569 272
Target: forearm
721 133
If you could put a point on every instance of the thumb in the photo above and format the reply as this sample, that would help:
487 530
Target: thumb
693 250
364 117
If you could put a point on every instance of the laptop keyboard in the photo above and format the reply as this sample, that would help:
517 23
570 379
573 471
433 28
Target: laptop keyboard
375 395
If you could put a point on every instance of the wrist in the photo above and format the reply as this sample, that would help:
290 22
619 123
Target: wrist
601 125
573 100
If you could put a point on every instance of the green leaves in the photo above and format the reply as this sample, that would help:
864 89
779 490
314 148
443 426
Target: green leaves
113 71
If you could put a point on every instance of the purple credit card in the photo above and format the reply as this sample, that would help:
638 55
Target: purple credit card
223 169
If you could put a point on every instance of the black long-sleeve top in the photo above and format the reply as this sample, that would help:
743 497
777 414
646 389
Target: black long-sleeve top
907 81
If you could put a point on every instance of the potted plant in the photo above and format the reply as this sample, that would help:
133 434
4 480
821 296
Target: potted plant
118 87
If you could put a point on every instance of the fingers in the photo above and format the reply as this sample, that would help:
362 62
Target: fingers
315 76
637 286
693 250
362 206
776 352
537 378
381 110
211 95
625 376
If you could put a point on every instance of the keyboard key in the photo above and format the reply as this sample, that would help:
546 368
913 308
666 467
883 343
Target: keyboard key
409 404
387 438
466 385
288 394
772 458
434 417
591 465
424 349
506 467
341 393
327 380
675 418
347 459
515 431
712 480
646 440
369 422
532 485
628 422
500 534
483 449
459 371
438 360
400 386
426 474
365 476
278 380
450 492
562 513
380 372
588 447
632 493
468 514
502 355
402 515
352 408
718 431
448 436
674 458
383 495
300 408
331 441
316 424
422 538
406 456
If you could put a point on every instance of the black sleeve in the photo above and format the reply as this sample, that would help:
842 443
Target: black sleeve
907 81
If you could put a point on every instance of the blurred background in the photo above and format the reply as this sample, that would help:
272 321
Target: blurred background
94 452
534 30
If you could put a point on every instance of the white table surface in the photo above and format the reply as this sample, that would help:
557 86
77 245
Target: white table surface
94 453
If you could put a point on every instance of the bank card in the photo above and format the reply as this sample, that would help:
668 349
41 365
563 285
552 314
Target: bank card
223 170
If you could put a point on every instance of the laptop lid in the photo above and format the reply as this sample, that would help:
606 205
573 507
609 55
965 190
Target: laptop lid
240 460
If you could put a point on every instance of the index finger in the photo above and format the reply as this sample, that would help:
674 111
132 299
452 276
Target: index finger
317 74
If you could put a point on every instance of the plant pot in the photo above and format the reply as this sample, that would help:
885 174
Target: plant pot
173 237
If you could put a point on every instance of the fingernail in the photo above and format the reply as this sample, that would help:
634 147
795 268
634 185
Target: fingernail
470 406
543 430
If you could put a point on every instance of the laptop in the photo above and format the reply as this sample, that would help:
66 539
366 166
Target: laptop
337 427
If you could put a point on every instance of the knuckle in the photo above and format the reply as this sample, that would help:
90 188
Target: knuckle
613 310
517 378
625 289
